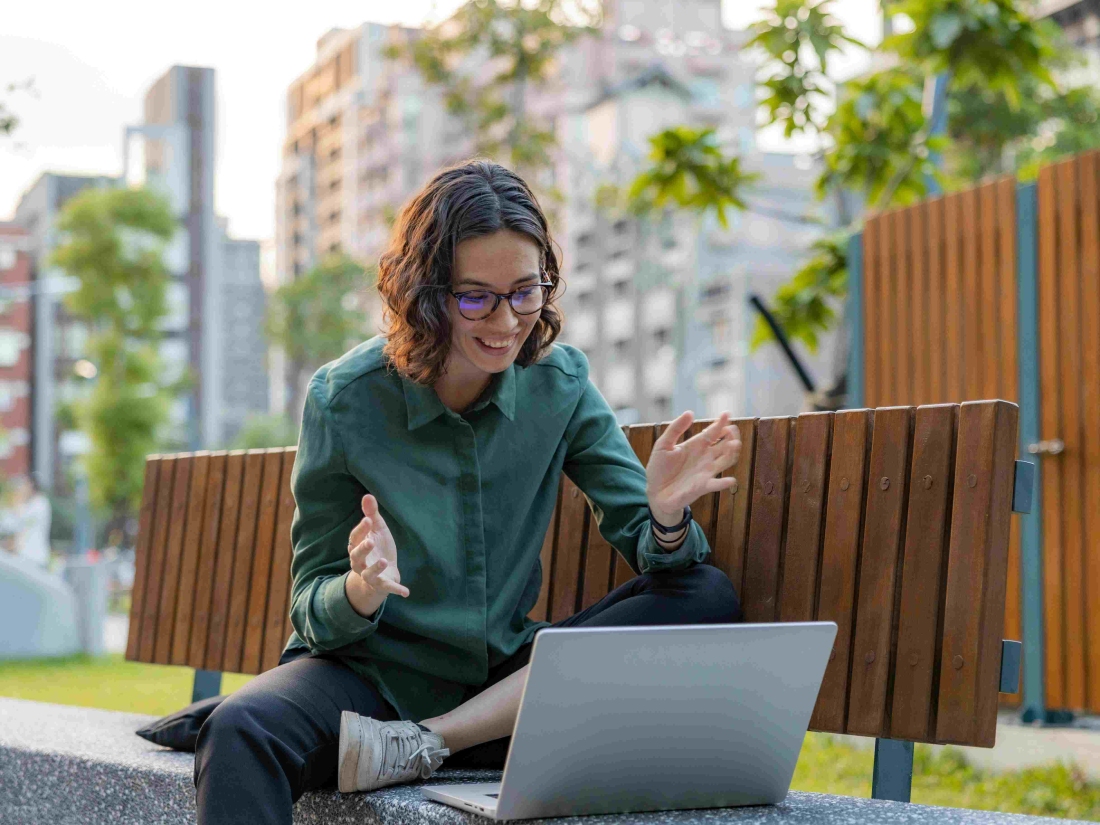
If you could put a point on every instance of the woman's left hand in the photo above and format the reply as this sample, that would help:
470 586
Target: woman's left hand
678 474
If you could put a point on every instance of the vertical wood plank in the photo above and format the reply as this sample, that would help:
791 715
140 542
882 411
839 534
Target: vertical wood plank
169 594
223 576
1069 325
887 297
769 516
208 554
883 532
920 292
154 580
704 509
189 561
275 634
572 536
1090 384
599 560
973 618
262 553
805 517
872 350
641 438
242 561
988 308
141 554
902 310
953 291
923 572
840 558
541 610
937 304
973 338
1050 413
732 521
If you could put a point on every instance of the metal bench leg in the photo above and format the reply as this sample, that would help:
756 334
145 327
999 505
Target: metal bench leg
207 683
893 773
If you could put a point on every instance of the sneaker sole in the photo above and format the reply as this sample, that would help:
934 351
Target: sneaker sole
351 739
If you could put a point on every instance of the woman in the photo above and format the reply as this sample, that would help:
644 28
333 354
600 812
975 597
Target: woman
426 475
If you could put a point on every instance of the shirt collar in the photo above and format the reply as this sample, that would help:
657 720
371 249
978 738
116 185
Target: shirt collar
423 405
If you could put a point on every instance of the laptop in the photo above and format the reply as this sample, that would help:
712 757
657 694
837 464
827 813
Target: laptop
625 719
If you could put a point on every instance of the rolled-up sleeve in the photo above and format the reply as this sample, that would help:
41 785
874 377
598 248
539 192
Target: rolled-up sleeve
601 462
328 507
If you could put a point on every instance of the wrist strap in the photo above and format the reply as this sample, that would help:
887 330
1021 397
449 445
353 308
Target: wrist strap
660 528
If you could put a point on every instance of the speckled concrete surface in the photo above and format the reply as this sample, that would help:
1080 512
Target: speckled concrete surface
65 765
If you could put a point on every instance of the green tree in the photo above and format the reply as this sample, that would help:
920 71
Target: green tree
113 242
261 431
319 316
485 59
9 120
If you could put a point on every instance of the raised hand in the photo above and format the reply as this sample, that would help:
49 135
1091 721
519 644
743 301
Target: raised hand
678 474
373 554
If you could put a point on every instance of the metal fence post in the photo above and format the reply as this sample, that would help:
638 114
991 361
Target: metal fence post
855 394
1033 707
208 683
893 771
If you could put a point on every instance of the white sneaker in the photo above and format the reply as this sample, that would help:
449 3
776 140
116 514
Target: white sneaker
375 754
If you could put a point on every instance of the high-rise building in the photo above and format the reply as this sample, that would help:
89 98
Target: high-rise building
16 359
364 133
1080 20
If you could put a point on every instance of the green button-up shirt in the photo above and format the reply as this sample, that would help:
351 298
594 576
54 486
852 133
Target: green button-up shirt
468 499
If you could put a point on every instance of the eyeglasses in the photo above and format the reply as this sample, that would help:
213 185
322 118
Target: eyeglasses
479 304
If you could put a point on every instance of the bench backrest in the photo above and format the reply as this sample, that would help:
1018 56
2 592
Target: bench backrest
894 523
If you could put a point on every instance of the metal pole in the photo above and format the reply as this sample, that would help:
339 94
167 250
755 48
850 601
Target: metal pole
784 343
893 772
854 309
208 683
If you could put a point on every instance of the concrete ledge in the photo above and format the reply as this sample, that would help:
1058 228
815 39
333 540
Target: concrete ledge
64 765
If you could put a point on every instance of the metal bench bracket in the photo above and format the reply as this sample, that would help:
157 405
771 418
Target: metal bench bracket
1023 487
208 683
1011 652
893 772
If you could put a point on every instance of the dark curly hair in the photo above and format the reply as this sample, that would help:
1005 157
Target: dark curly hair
468 200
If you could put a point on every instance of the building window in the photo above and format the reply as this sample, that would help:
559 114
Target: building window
622 349
714 291
660 337
662 404
621 289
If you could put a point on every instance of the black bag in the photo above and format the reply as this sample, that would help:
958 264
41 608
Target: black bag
180 730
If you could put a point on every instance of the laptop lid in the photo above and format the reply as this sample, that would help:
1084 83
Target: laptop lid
623 719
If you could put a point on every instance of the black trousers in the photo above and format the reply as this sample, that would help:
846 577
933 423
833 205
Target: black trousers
277 737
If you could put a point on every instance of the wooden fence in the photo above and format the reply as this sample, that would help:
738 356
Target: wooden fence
941 323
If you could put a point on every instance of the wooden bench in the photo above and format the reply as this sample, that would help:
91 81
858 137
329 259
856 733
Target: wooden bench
894 523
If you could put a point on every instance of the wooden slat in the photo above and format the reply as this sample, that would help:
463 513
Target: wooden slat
805 517
902 311
953 289
988 308
872 276
732 520
973 339
919 343
704 509
141 554
154 580
572 524
840 558
599 561
923 573
243 553
1090 384
641 438
223 575
541 609
1050 414
263 550
769 515
275 634
189 561
887 303
883 531
1069 324
169 594
973 618
937 300
208 554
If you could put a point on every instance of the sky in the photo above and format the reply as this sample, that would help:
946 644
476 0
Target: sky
93 62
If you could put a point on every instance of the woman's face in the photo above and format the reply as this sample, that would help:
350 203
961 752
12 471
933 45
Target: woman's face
501 262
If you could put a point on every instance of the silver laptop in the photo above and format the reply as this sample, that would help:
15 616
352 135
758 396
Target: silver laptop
621 719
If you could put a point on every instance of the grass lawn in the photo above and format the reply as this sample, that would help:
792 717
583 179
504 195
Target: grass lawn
940 777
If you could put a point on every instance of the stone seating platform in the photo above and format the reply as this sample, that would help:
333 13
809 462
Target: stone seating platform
61 765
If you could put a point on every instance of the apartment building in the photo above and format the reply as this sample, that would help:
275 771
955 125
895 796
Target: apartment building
363 133
16 355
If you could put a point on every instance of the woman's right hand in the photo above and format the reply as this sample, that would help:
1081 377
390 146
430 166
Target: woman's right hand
373 554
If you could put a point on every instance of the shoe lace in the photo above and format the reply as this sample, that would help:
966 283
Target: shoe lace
405 750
